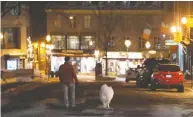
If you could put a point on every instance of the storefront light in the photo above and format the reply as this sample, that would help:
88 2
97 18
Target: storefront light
152 52
173 29
90 43
1 36
42 45
35 45
96 53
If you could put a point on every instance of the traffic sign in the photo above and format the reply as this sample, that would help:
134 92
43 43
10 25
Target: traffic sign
177 36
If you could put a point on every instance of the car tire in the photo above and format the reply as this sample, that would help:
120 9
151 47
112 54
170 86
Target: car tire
180 88
153 87
138 84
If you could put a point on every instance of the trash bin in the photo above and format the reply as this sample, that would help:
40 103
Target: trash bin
98 69
52 74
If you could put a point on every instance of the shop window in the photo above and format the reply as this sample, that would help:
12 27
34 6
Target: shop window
87 21
141 43
58 41
157 43
11 38
88 42
12 64
73 42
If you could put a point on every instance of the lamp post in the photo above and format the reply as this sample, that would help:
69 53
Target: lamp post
127 44
49 48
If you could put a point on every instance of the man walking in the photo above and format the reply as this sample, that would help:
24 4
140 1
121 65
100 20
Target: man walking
67 75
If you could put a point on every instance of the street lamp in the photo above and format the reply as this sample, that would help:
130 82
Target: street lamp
127 44
173 29
184 20
147 45
48 38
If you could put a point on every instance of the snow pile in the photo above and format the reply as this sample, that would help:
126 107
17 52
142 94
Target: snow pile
24 79
106 95
37 73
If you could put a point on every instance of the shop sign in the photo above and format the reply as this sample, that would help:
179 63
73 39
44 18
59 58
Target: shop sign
170 42
190 22
177 36
73 51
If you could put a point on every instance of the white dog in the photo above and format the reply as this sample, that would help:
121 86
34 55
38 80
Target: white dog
106 95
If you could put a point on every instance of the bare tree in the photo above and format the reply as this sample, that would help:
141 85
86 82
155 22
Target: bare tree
107 18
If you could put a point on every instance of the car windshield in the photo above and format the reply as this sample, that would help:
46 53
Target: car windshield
170 68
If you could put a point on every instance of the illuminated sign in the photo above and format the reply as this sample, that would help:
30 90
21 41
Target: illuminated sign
170 42
73 51
131 55
177 36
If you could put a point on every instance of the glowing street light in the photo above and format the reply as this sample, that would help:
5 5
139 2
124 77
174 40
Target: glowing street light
42 44
184 20
48 38
147 45
127 43
71 17
173 29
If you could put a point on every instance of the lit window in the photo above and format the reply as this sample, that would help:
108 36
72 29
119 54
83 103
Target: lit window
88 42
87 21
72 42
72 21
58 41
157 43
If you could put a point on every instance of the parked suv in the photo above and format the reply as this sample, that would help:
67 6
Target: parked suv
167 76
144 77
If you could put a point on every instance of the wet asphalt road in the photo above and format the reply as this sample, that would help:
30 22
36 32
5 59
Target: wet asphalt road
45 100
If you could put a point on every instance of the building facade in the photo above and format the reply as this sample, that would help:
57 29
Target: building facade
14 33
77 29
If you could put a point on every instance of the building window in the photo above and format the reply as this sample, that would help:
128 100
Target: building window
157 43
11 38
141 43
58 41
73 42
127 22
72 21
87 21
88 42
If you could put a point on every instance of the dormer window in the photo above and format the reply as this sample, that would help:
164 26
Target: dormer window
85 3
111 2
126 3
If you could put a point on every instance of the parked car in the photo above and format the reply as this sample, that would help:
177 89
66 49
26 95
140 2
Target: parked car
144 77
167 76
131 75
